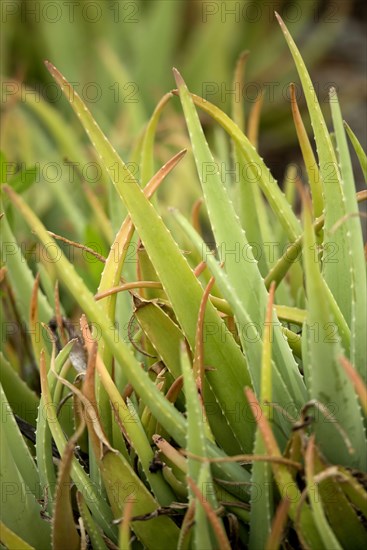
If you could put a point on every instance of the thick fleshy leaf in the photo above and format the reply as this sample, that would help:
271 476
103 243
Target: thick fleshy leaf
327 382
20 511
258 171
236 253
64 532
261 495
184 292
288 387
352 223
338 242
362 157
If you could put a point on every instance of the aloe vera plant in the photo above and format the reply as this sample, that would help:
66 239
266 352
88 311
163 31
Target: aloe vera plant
235 415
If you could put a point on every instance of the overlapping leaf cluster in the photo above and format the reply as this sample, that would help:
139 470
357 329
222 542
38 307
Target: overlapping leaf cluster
241 400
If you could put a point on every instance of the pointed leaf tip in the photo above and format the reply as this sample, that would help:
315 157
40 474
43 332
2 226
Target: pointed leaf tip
281 22
57 75
178 78
49 66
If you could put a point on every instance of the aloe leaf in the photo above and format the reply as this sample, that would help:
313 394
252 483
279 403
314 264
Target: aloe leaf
185 292
289 390
44 452
117 255
166 338
133 427
22 279
146 389
163 333
337 244
341 515
326 533
137 437
11 539
308 157
199 471
23 401
36 334
122 484
354 491
249 207
261 488
114 264
293 315
232 244
147 272
147 148
283 476
327 382
64 532
165 413
354 235
20 511
98 506
359 386
90 526
362 157
47 474
280 269
18 448
256 168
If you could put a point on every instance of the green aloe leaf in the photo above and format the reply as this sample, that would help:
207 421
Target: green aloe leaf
99 507
19 511
362 157
262 493
233 248
11 539
291 393
22 278
21 454
90 525
257 169
358 327
122 484
166 338
284 478
327 382
64 532
44 451
341 515
137 436
326 533
23 401
308 157
164 411
185 292
338 241
199 471
147 148
162 332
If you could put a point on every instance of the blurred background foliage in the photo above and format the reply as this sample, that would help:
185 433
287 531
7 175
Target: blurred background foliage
119 55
